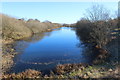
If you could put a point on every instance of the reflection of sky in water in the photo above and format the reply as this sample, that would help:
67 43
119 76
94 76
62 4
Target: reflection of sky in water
59 47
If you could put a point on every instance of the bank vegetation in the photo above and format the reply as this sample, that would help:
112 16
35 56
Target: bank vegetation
97 30
15 29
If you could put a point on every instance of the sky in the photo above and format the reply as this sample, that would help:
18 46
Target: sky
57 12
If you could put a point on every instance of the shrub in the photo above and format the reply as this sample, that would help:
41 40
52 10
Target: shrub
38 27
83 29
96 27
13 28
97 33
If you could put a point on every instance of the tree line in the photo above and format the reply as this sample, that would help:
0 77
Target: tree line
96 27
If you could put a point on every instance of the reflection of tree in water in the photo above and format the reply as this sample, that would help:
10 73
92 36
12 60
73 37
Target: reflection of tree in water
114 48
37 37
88 50
40 36
89 54
57 29
22 44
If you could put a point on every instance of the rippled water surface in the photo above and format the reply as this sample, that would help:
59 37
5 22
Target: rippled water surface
46 50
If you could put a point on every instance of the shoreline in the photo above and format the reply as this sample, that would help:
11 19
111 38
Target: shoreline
61 71
73 71
8 52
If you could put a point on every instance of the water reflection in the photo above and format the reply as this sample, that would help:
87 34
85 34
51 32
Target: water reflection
89 52
44 51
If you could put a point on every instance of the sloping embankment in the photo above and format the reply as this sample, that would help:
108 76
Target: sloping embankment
16 29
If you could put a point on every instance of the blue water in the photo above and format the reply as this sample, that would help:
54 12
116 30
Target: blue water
46 50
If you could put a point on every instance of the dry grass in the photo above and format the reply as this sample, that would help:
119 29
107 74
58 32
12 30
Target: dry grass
38 27
14 29
32 74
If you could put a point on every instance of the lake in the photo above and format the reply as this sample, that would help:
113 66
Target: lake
46 50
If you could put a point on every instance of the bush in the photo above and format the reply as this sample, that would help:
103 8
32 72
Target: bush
38 27
83 29
13 28
97 33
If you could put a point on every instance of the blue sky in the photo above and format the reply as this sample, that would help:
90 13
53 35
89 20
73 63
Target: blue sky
59 12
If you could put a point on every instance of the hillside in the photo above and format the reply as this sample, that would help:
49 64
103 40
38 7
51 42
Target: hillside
15 29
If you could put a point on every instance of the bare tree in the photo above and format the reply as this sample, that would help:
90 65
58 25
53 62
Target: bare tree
99 28
97 13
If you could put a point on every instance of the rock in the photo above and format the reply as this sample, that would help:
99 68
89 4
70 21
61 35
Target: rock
12 49
46 76
88 73
61 76
82 67
116 71
85 76
110 70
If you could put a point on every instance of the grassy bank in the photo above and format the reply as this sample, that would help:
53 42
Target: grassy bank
8 53
109 70
71 71
15 29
